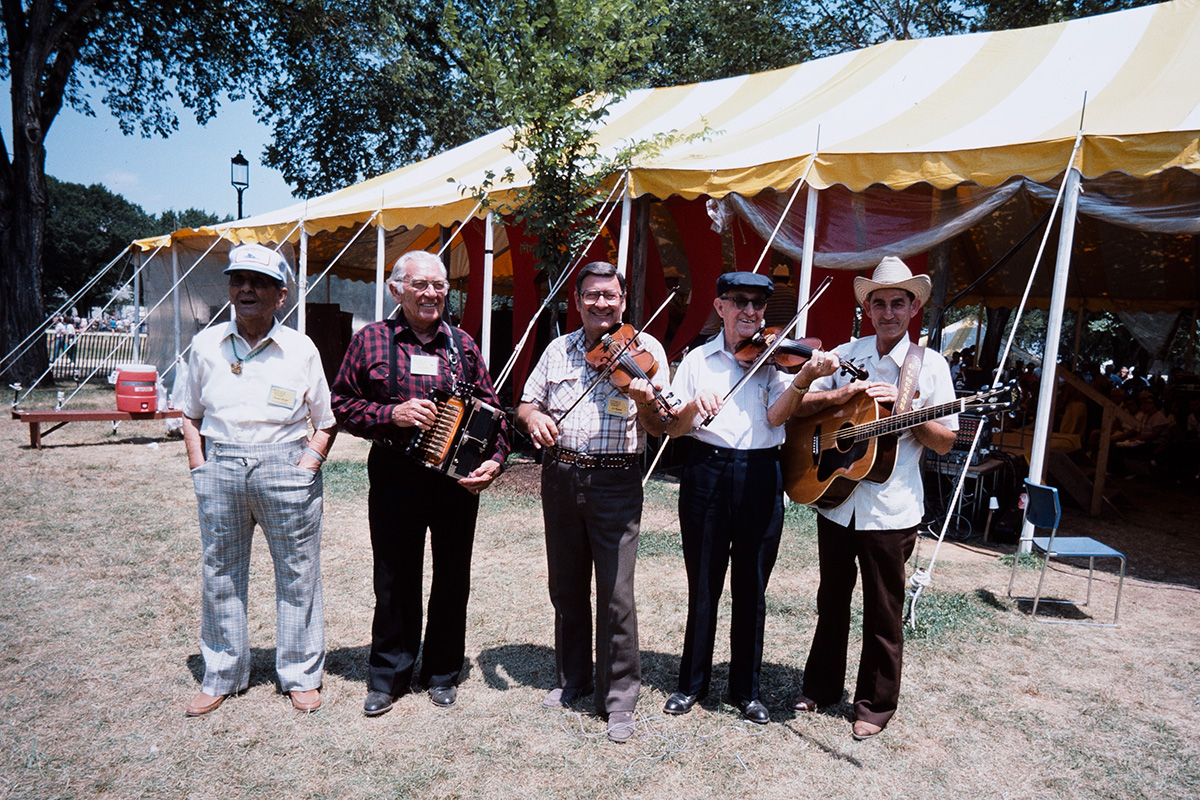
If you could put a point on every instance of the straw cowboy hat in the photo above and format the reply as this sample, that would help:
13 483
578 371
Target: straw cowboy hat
892 273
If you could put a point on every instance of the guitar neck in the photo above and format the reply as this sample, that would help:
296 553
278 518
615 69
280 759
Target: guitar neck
910 419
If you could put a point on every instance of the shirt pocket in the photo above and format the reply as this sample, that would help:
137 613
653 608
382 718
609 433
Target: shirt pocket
561 394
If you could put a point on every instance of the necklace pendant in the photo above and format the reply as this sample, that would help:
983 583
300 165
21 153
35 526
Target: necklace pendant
236 367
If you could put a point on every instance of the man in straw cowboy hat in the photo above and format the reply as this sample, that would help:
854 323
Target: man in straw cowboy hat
877 524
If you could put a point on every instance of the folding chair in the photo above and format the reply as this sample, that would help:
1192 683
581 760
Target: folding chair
1043 510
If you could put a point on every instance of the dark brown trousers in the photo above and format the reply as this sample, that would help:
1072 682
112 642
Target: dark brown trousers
880 556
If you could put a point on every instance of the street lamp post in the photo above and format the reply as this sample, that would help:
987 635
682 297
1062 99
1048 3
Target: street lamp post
239 176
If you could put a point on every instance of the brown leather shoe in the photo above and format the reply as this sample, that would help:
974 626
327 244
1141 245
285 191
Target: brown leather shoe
804 705
865 730
203 703
307 701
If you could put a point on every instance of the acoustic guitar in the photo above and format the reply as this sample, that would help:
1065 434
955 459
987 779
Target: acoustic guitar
826 455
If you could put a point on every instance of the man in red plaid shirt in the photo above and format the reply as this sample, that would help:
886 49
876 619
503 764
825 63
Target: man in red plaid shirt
407 498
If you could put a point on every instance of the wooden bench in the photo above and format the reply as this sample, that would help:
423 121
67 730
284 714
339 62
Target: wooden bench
62 417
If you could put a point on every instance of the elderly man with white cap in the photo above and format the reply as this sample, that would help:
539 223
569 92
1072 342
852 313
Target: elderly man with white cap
253 388
877 524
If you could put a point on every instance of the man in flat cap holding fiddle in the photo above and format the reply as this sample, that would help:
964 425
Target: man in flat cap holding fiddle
876 525
731 491
593 435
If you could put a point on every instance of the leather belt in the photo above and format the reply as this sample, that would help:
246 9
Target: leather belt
588 461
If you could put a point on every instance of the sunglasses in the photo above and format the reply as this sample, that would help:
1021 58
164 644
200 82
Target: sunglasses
741 302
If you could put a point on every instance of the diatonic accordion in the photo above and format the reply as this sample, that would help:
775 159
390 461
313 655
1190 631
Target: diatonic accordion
462 437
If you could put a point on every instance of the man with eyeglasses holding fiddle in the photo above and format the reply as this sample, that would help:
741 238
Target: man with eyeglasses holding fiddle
731 492
382 392
593 437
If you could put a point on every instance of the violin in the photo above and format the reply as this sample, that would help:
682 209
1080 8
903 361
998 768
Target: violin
790 355
620 355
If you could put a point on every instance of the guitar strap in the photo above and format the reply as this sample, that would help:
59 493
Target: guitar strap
909 372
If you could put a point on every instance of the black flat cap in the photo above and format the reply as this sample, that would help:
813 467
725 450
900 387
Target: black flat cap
744 280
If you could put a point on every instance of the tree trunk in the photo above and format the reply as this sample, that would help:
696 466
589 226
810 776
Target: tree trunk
22 227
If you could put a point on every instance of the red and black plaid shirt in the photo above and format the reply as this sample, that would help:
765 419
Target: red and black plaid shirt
362 400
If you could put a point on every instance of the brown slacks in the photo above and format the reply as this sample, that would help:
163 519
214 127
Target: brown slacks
881 556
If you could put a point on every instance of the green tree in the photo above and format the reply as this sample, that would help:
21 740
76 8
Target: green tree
555 67
86 227
363 87
706 40
836 26
141 55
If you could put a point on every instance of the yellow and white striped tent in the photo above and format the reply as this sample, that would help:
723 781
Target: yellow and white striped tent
978 109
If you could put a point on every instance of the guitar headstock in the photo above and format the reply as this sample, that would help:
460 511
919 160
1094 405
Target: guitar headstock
996 399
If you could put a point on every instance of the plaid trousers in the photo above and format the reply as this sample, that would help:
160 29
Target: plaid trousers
236 487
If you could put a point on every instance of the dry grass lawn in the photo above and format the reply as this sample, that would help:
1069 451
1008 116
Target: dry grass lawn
99 618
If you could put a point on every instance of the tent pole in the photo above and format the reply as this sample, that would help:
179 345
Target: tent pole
485 330
175 302
623 245
1041 428
804 282
380 263
302 283
137 310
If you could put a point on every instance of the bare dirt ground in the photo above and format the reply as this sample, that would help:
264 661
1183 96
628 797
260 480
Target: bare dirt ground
99 617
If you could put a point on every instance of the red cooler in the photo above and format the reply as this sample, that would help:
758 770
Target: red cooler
137 388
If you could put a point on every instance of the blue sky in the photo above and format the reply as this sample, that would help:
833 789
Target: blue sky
188 170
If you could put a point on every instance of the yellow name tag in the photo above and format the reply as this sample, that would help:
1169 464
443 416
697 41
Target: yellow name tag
284 398
617 407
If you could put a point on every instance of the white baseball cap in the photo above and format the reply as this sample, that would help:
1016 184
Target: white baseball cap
257 258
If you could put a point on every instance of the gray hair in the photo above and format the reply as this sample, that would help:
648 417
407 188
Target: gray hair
400 269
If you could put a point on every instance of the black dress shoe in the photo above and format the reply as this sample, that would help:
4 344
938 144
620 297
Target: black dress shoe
443 695
754 711
680 703
377 703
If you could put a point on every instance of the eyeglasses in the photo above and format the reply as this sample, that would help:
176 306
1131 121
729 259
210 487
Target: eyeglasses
419 285
594 296
741 302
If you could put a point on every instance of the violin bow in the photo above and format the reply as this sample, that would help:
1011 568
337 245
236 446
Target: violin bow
604 373
771 348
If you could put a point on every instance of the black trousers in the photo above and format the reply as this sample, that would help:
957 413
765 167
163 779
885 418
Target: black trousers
880 556
592 521
404 501
730 516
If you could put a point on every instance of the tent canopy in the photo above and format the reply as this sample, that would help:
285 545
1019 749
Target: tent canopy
979 109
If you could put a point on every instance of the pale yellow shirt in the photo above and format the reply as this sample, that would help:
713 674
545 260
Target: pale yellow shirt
271 402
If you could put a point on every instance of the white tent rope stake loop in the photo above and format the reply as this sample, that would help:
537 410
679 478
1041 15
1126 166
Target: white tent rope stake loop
924 577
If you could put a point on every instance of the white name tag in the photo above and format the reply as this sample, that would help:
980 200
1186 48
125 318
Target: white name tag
284 398
424 365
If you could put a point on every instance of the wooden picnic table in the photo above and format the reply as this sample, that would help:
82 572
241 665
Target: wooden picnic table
63 416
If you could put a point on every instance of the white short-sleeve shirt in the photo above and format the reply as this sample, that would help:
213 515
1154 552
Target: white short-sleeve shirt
898 502
278 391
742 423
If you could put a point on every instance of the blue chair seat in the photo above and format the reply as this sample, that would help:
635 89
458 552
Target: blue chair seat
1076 547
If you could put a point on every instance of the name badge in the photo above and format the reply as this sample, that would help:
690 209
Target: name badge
424 365
284 398
617 407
